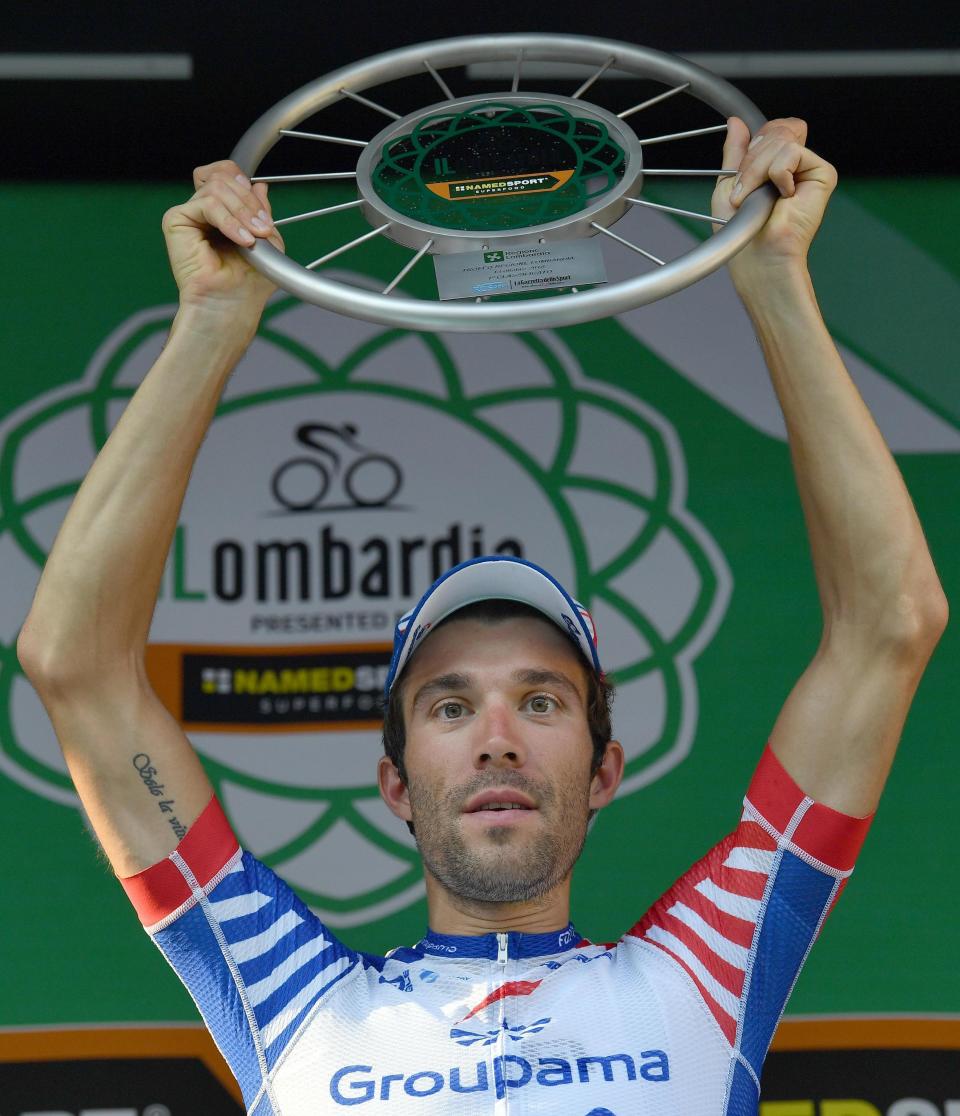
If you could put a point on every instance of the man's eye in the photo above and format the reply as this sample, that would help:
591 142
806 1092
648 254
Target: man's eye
450 710
541 703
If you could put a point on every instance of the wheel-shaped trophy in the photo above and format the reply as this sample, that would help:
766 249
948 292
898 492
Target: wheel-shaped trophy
513 194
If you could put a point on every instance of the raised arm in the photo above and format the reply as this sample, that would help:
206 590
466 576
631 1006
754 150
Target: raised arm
83 643
883 608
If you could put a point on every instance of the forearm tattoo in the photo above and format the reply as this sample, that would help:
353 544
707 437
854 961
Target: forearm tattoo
150 775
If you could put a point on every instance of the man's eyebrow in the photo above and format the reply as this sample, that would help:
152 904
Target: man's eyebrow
556 678
440 684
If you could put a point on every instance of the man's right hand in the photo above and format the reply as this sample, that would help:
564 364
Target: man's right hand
202 235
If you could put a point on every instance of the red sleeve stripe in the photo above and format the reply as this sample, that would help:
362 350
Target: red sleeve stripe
208 846
754 836
830 837
749 884
737 930
707 921
700 884
724 972
725 1020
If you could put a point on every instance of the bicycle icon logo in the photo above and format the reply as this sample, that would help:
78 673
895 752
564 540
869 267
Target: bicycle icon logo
367 479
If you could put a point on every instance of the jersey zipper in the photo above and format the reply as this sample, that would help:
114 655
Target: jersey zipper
502 1106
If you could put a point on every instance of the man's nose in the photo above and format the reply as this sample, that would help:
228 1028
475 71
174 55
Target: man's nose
499 741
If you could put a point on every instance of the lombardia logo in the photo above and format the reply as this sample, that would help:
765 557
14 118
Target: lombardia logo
346 467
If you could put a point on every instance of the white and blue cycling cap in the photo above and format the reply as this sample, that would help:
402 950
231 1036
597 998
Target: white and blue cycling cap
495 577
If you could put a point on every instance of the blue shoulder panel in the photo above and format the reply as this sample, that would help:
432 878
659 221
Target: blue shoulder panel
798 898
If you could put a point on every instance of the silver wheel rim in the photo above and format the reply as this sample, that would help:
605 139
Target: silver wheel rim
550 311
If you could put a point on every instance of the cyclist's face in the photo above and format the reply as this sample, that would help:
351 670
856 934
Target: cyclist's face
495 717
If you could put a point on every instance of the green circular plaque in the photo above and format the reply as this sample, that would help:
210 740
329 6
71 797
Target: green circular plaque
498 166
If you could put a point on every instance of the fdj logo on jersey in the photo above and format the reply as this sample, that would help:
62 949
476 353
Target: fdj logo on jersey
347 466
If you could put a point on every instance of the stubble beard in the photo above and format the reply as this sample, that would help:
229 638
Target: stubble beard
502 865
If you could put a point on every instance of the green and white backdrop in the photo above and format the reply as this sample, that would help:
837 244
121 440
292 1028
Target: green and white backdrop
642 459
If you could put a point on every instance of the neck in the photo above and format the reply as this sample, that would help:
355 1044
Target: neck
457 915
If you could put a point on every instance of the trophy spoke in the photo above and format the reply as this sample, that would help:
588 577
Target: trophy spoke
680 212
371 104
627 243
326 139
689 172
407 268
594 77
319 212
439 80
515 84
346 247
683 135
303 177
653 101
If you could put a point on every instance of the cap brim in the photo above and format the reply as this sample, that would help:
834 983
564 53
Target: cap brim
493 578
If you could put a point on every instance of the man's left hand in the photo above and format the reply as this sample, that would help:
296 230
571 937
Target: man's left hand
804 180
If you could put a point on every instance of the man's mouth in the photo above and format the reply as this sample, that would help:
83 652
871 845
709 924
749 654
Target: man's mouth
497 800
501 806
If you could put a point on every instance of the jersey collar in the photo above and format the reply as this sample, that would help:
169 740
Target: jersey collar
488 946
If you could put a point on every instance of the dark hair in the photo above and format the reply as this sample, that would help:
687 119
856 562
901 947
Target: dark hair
599 690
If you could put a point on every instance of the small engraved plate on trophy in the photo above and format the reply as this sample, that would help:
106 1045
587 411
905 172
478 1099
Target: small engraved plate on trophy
527 267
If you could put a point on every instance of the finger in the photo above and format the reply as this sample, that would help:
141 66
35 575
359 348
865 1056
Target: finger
202 175
809 167
236 193
207 212
755 168
765 146
244 201
252 197
777 163
787 127
228 206
277 240
735 145
265 211
784 166
261 189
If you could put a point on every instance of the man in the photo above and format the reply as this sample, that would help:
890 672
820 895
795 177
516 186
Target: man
498 751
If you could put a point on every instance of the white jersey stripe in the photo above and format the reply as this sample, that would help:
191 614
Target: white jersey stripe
732 953
750 860
239 905
259 944
740 906
265 988
726 999
282 1021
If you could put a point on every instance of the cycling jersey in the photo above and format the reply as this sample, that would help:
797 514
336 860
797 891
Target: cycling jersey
674 1019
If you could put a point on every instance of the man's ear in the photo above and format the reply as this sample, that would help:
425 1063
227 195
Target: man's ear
607 777
393 790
